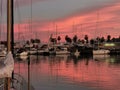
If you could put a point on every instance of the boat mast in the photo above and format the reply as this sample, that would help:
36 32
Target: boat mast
12 26
9 31
10 35
9 26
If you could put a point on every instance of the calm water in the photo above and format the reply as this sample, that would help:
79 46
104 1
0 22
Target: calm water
68 73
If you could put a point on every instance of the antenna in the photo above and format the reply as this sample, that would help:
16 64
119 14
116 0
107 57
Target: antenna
0 20
56 31
97 23
31 17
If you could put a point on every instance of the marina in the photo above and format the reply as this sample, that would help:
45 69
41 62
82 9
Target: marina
76 49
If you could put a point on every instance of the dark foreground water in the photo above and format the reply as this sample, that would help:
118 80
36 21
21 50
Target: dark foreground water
67 73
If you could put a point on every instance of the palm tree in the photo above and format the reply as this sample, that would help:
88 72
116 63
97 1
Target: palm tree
108 38
102 39
37 41
86 38
59 38
68 39
53 40
75 39
32 40
98 39
79 40
27 42
83 41
92 42
119 39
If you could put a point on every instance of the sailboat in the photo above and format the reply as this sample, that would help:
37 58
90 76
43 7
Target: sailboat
8 63
99 51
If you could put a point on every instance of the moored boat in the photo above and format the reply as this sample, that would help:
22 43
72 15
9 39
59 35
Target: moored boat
100 52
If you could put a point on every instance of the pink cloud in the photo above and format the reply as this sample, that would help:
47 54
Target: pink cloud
107 22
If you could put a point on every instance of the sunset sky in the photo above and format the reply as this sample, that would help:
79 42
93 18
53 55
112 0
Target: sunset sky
64 17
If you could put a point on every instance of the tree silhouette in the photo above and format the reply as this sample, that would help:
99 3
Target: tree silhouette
108 38
79 40
83 41
27 42
92 41
98 40
32 40
59 38
119 39
86 38
68 39
37 40
75 39
53 40
102 39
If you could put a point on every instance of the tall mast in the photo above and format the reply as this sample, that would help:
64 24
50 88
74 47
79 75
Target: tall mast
9 23
12 26
9 32
56 31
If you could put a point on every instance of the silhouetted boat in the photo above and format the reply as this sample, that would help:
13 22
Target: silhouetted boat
100 52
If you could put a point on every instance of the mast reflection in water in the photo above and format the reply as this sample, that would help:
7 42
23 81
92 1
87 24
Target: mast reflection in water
70 72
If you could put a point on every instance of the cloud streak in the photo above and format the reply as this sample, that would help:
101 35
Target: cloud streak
103 21
74 17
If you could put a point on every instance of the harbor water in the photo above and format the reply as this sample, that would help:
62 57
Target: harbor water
62 72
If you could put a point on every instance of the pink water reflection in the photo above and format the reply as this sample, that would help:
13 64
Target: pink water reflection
98 74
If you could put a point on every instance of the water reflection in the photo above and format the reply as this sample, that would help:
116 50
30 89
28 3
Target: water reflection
108 59
19 82
70 72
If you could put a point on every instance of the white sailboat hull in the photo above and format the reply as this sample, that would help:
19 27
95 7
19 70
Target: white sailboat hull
33 52
62 52
22 54
100 52
6 71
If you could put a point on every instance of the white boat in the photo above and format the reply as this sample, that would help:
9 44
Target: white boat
7 66
43 50
24 53
24 58
33 51
61 51
101 57
100 52
58 49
